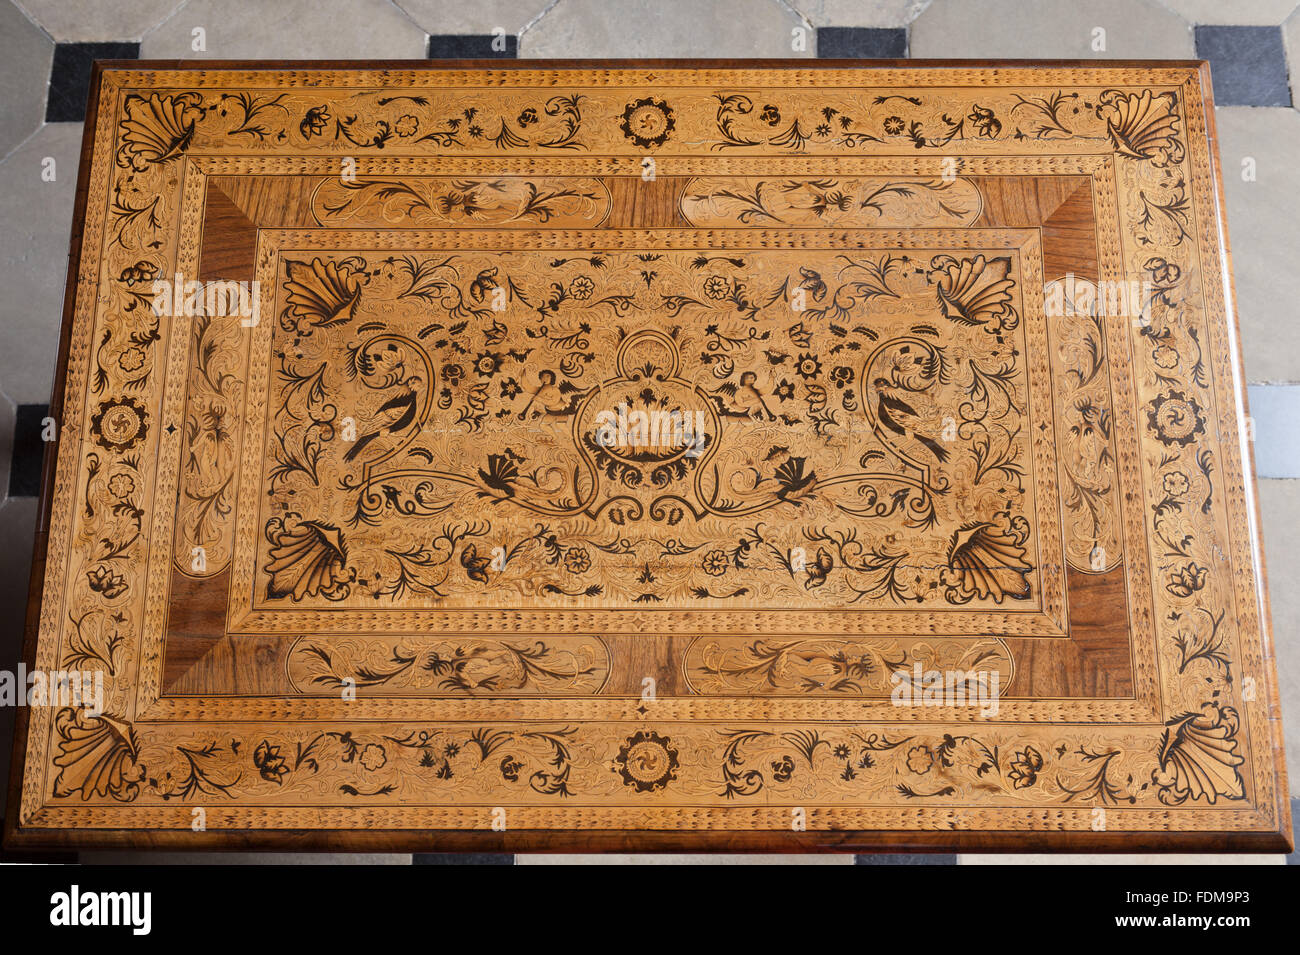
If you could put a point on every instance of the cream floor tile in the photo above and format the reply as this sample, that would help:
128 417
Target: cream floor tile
25 55
288 29
479 17
1279 503
1262 226
73 20
1275 409
860 13
33 256
1234 13
1134 29
666 28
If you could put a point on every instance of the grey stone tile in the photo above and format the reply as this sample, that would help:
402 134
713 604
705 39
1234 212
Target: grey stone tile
1267 12
666 28
1247 64
242 858
1157 858
481 16
888 43
73 20
33 255
860 13
906 858
1262 219
1294 857
1279 506
701 858
1275 411
25 55
1134 29
288 29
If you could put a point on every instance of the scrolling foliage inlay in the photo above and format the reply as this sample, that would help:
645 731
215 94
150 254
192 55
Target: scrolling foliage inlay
788 429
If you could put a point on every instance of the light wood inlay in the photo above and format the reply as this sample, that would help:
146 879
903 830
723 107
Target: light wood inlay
609 447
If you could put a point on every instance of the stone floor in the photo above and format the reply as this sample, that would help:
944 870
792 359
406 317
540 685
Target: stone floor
46 47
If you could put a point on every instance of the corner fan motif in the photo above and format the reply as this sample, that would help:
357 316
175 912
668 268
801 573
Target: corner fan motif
649 427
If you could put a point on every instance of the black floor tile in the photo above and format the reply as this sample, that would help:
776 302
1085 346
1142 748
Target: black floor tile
907 858
70 76
448 47
879 43
29 450
461 858
1248 65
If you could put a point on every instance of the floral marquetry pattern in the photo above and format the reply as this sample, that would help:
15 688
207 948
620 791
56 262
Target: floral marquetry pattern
651 427
425 202
654 450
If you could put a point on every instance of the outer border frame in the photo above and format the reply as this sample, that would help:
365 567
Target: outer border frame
17 837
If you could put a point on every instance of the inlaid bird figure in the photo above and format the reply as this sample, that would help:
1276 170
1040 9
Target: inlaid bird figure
383 369
501 474
394 416
793 484
900 418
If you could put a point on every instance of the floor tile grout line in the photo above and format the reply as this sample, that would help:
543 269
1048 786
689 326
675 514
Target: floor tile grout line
32 20
166 19
1168 9
807 21
1165 8
534 21
163 22
1288 53
30 136
405 13
790 8
45 98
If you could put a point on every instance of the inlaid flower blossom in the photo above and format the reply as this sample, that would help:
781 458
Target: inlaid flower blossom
715 563
920 759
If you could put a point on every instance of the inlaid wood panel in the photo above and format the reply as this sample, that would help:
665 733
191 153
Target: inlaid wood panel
744 456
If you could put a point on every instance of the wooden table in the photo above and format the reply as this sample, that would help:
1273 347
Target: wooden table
562 455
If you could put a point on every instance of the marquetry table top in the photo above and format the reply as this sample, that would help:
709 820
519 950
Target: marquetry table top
631 455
